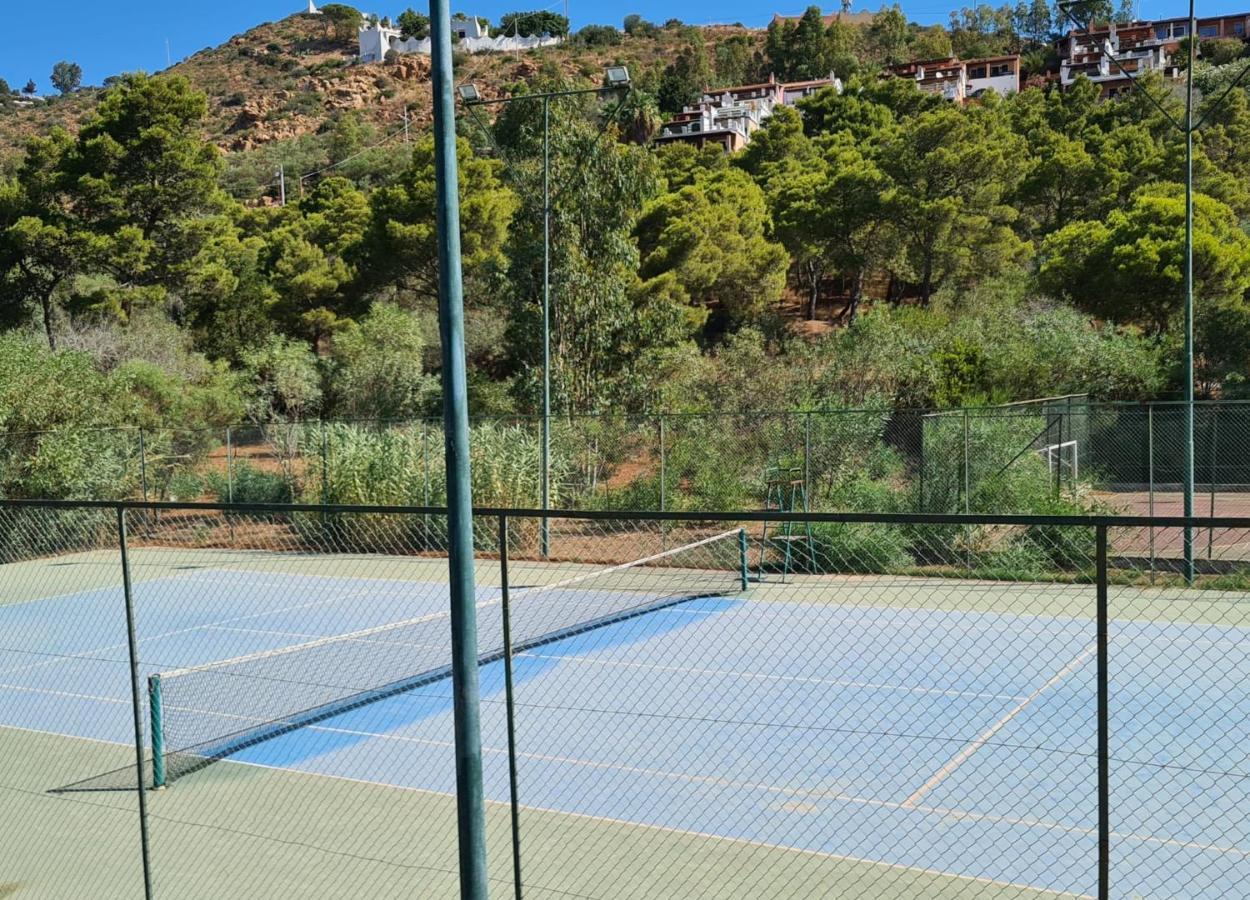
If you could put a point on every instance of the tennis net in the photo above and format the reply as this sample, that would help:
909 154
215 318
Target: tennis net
206 713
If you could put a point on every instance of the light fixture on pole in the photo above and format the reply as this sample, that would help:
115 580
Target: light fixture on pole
615 78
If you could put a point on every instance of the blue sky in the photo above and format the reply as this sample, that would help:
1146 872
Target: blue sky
106 38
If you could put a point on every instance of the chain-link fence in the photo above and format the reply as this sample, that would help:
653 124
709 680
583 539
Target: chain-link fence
1052 456
687 704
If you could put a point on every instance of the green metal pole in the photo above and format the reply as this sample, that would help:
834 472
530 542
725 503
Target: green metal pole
920 502
663 484
143 466
229 467
425 478
1214 419
325 464
967 489
510 707
546 487
966 485
133 645
156 712
743 578
229 479
1150 473
1189 300
1103 676
470 803
807 457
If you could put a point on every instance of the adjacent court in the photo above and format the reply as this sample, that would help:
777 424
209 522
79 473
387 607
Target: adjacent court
851 728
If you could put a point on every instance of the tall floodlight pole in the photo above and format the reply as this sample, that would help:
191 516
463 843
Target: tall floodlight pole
616 78
545 541
1187 128
1188 437
470 803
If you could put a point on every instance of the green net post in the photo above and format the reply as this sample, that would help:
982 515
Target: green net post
156 708
742 557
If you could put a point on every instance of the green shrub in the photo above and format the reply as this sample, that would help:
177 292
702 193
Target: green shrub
32 532
862 548
248 484
404 466
185 485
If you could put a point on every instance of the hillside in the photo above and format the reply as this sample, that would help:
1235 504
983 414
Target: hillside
276 87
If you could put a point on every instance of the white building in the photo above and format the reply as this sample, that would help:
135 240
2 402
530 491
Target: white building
960 80
995 73
727 117
376 40
1109 55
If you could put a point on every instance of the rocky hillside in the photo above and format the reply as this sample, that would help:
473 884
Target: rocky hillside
285 82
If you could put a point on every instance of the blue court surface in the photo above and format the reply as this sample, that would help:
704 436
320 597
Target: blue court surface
932 740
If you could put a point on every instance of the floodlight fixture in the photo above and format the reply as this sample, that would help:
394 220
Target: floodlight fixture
617 76
469 93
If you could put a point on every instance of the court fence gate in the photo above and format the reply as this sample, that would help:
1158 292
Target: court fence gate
253 701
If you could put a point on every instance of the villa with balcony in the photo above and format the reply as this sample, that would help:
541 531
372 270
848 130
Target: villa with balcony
727 117
960 80
1110 54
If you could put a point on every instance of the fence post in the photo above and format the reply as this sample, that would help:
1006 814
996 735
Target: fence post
1150 475
229 479
143 468
807 458
425 478
229 467
663 482
135 706
920 502
1104 726
967 491
325 464
743 574
544 539
663 465
1213 415
967 483
510 704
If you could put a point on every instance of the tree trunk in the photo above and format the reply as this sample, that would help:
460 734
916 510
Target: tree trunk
926 282
813 287
857 294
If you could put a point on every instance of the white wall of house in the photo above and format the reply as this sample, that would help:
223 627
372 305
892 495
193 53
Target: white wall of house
375 40
1003 84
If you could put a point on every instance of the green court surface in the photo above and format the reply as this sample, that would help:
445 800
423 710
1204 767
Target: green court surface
80 845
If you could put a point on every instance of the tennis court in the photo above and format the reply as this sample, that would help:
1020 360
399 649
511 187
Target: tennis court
873 736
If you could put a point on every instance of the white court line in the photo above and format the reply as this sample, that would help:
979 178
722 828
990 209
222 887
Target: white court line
801 792
297 634
728 673
61 734
679 776
980 741
156 637
55 693
158 579
692 833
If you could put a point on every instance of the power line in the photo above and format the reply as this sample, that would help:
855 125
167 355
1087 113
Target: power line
363 150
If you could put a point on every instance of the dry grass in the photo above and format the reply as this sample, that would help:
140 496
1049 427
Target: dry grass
281 81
